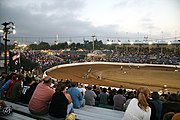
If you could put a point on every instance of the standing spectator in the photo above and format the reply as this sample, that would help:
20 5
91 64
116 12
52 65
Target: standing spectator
138 108
76 96
61 103
90 96
119 100
39 103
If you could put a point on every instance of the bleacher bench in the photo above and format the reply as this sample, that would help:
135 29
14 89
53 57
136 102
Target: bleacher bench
84 113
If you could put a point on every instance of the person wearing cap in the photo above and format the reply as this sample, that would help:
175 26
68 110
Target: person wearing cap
41 98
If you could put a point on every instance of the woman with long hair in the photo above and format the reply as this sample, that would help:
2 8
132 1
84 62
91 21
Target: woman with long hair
61 103
138 108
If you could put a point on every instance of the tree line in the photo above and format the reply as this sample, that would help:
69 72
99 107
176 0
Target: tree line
86 45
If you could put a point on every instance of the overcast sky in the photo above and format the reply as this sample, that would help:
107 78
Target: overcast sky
78 19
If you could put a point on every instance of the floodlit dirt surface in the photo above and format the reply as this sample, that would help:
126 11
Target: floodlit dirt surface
129 77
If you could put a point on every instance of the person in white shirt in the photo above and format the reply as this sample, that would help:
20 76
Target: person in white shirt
138 108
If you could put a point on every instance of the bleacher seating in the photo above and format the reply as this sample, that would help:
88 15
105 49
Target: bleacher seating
16 116
84 113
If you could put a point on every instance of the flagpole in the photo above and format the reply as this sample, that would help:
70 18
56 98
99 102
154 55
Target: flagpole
19 62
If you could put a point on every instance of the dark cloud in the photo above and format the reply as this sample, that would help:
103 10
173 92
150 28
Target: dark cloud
48 19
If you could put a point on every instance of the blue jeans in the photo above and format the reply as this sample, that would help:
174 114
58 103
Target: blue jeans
70 108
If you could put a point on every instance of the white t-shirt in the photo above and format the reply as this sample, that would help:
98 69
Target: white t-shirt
134 112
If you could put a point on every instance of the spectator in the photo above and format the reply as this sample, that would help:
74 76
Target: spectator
76 96
15 94
90 96
103 96
130 97
61 103
82 89
111 96
41 98
32 84
9 88
171 105
7 82
138 108
157 104
119 100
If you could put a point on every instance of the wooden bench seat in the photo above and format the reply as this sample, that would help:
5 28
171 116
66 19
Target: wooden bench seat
97 113
16 116
25 111
84 113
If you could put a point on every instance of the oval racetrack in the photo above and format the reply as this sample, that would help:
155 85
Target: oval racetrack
154 77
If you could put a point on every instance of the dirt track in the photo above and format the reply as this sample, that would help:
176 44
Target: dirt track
112 75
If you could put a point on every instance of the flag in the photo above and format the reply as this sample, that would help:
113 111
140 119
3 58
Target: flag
16 57
14 60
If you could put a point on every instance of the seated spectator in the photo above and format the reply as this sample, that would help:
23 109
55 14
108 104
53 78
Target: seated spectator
171 105
119 100
32 84
10 86
6 83
138 108
130 97
41 98
111 96
90 96
103 97
76 96
157 104
61 103
15 94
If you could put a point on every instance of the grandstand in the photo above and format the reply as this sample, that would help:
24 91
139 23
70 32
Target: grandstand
154 53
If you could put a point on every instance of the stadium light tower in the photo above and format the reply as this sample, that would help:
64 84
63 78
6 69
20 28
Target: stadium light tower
93 36
9 27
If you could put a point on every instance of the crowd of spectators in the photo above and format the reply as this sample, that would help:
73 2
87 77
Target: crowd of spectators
42 94
42 59
47 59
146 55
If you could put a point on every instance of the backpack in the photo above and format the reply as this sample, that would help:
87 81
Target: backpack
5 110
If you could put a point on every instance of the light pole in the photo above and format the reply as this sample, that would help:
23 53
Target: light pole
93 36
8 28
